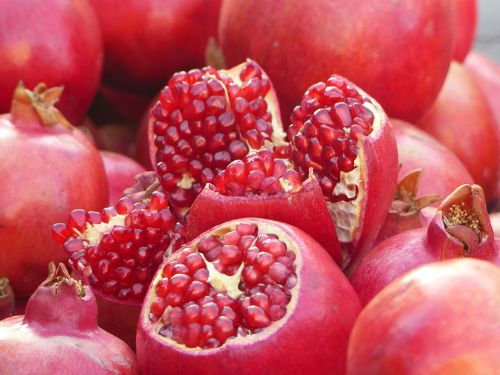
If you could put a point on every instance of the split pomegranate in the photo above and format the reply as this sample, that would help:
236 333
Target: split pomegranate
120 171
48 168
60 44
299 43
59 334
204 119
7 299
438 319
460 228
466 20
262 185
462 120
345 137
244 297
442 171
146 41
117 252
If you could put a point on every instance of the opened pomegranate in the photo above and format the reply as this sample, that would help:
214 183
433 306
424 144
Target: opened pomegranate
244 297
48 168
441 318
60 44
7 299
204 119
466 22
120 171
441 170
117 252
462 121
460 228
59 330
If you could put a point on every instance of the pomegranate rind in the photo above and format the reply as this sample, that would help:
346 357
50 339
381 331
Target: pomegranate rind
310 322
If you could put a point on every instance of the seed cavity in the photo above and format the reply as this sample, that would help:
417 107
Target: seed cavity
458 214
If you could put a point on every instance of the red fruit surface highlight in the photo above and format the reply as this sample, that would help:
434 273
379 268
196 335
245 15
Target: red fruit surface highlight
466 22
146 41
441 318
462 121
460 228
60 330
48 168
120 171
7 300
300 43
58 45
495 223
257 291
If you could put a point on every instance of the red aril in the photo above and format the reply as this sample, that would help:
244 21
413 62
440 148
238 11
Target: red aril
121 171
462 121
466 20
299 43
441 318
48 168
72 58
146 41
245 297
460 228
7 300
59 334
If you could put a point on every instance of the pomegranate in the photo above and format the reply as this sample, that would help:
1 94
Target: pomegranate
117 251
204 119
146 41
449 121
59 330
441 318
460 228
355 39
143 145
466 22
119 138
120 171
7 300
261 185
73 57
43 159
129 106
442 171
258 292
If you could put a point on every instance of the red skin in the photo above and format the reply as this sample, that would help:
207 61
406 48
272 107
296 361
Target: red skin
325 312
47 156
442 171
439 319
58 44
144 146
462 121
277 34
147 41
130 106
466 22
60 330
120 171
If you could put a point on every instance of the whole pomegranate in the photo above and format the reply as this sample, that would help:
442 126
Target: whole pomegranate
461 120
441 318
146 41
47 168
60 44
59 330
466 22
248 296
299 43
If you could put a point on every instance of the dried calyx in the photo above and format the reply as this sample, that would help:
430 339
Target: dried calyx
59 275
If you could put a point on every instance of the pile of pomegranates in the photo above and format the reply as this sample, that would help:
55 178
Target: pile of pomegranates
248 187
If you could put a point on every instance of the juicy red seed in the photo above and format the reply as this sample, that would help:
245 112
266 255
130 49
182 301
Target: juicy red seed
73 244
256 317
209 313
158 306
77 220
179 282
223 328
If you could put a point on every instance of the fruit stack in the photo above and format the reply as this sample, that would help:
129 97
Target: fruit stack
248 187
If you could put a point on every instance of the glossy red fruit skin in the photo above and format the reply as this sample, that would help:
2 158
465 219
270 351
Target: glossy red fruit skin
322 319
342 37
462 121
466 22
147 41
442 170
144 145
60 330
438 319
304 209
58 45
47 170
120 171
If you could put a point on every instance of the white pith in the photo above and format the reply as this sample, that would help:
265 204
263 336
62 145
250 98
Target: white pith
186 182
347 215
238 340
223 282
94 232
